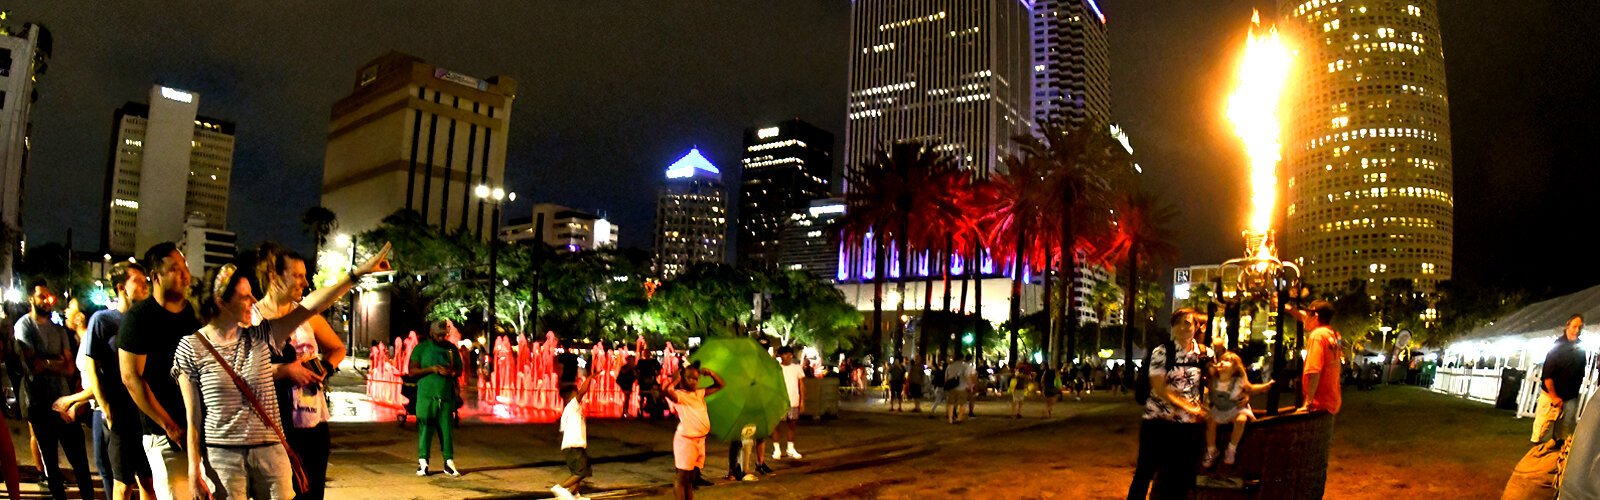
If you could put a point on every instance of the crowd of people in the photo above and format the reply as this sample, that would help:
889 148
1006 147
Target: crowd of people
219 395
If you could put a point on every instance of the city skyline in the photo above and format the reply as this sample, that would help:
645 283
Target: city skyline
1502 132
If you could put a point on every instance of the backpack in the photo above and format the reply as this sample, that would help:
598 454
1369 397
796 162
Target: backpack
1141 377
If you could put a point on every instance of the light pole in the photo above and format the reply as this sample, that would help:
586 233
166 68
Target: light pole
495 197
349 242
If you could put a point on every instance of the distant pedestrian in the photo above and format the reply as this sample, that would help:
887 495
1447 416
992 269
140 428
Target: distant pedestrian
897 383
939 393
574 440
916 378
694 423
648 373
1021 383
438 364
958 382
625 379
1320 378
1563 373
793 377
1172 435
1050 385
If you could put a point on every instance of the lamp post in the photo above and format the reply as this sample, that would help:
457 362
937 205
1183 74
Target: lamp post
348 242
495 197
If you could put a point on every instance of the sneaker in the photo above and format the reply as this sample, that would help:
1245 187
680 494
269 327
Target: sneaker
749 477
793 454
562 493
762 468
1211 458
701 481
1228 459
422 467
777 453
450 468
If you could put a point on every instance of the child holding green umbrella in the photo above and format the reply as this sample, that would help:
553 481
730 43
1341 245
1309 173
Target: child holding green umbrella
694 422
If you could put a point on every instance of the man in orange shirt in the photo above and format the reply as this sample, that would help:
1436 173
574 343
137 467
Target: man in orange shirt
1321 376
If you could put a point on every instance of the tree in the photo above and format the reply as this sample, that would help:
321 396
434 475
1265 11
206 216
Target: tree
1016 225
1106 299
1355 309
810 311
706 300
1082 164
1142 232
319 222
886 190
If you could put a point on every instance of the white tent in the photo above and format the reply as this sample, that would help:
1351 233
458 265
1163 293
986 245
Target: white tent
1474 363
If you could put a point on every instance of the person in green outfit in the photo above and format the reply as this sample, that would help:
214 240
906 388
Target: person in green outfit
437 363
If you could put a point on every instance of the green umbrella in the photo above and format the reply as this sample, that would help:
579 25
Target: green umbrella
754 391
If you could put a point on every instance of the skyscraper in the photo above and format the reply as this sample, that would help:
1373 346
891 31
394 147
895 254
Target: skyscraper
786 166
564 229
24 54
1367 146
169 166
1071 62
415 136
809 239
938 71
691 216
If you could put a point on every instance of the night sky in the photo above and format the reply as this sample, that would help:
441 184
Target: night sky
611 92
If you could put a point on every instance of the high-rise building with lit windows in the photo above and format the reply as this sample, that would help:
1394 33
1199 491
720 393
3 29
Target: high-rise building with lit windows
170 168
786 166
1367 144
1071 62
416 136
691 216
24 55
946 72
810 239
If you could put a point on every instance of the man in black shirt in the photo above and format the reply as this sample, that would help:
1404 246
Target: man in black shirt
146 344
1563 373
650 402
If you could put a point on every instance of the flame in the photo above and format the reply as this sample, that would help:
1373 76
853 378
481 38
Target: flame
1255 112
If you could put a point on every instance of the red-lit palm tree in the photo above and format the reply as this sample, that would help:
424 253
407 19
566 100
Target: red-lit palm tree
886 193
1083 166
1142 233
1018 227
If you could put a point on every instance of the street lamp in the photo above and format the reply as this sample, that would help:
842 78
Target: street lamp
346 241
495 197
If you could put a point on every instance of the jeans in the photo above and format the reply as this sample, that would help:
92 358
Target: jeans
311 445
1169 452
50 430
249 472
102 451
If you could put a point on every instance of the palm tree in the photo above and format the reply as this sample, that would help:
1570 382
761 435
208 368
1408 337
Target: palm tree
1143 232
887 191
1083 163
1016 227
319 222
1106 298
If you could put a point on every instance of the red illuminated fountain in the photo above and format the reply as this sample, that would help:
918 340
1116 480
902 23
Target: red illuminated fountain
517 383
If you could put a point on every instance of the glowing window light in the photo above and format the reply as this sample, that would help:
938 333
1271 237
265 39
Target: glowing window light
177 95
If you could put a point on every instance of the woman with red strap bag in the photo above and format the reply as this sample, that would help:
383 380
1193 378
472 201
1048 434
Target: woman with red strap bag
235 439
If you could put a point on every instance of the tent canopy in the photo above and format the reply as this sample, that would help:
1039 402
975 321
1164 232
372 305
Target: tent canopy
1541 319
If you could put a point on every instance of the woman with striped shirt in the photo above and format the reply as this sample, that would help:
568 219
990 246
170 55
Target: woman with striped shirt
233 453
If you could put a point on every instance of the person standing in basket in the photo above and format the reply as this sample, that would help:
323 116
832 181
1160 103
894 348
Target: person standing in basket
235 442
438 363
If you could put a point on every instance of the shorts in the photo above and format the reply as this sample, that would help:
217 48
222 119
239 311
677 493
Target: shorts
125 448
234 472
958 397
914 391
169 467
688 453
896 389
577 461
1018 396
794 414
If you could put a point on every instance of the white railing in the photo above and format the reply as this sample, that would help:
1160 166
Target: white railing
1478 384
1528 398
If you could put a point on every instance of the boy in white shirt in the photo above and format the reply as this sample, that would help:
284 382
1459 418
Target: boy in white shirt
574 440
